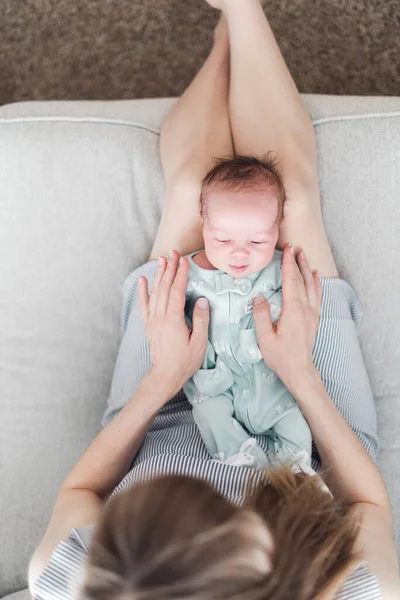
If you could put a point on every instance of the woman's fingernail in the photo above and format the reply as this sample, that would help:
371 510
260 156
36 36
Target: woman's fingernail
180 260
170 253
258 300
203 303
159 262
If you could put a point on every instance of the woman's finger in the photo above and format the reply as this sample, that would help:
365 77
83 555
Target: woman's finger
177 297
168 279
293 290
200 320
262 318
309 280
318 285
144 298
161 264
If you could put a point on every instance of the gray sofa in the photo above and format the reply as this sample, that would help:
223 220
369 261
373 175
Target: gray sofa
81 194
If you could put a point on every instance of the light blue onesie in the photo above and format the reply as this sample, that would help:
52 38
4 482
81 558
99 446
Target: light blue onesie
235 393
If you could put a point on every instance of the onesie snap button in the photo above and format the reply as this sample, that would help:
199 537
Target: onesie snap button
254 352
243 285
197 284
268 377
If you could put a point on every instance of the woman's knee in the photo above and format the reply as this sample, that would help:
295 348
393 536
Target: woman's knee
303 227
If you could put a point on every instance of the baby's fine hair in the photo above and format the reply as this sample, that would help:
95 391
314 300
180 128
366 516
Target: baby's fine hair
241 171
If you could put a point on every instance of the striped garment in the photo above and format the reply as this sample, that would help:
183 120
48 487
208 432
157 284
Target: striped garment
173 444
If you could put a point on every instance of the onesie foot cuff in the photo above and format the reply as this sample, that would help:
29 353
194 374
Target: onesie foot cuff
301 463
249 455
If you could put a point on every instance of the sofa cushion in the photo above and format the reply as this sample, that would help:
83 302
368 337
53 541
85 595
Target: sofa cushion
79 204
21 595
81 194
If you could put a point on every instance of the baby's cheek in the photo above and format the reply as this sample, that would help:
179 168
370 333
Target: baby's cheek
214 254
208 250
265 257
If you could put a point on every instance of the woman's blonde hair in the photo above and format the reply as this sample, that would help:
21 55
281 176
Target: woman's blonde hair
176 537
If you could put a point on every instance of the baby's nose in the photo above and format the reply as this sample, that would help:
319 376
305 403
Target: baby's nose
240 249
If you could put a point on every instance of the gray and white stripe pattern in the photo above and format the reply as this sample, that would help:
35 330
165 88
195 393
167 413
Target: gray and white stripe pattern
173 444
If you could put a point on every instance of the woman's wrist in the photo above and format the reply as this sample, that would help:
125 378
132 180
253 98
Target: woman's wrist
164 385
301 381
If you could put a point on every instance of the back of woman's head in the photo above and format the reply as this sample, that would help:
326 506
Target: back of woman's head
177 538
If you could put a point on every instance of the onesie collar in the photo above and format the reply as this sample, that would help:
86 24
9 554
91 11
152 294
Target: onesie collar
226 283
223 281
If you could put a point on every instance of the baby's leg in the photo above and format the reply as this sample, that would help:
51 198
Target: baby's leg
294 434
267 114
222 434
195 131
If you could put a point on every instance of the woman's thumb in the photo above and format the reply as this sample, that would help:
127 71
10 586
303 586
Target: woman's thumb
200 319
262 316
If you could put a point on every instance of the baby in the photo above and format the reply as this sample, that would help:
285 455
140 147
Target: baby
235 394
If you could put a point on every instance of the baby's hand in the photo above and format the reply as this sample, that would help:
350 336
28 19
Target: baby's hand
287 345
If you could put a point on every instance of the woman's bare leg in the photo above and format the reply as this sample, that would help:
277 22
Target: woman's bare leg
195 131
267 113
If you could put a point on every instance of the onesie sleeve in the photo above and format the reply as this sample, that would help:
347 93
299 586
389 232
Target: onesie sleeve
275 303
212 379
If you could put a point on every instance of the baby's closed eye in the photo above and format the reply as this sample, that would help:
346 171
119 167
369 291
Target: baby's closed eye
226 241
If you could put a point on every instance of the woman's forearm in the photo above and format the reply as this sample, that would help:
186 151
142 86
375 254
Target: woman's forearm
352 473
101 468
108 458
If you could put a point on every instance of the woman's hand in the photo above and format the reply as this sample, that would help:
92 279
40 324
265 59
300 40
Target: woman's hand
177 351
287 345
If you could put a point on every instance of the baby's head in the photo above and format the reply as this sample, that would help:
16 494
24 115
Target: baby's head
241 208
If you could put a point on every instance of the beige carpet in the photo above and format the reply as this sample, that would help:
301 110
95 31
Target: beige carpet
109 49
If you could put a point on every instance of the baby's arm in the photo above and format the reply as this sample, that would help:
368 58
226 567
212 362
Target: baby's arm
212 379
275 302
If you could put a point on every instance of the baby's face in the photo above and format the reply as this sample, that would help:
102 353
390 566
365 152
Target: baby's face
240 229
